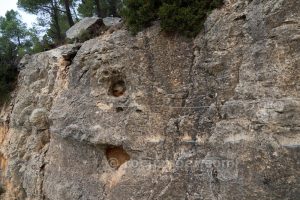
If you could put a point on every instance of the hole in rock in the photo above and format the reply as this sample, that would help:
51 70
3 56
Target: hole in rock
211 96
2 190
118 88
266 181
138 111
116 156
242 17
119 109
105 73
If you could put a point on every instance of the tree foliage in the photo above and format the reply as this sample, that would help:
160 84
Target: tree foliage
55 14
12 35
8 52
180 16
101 8
140 13
86 8
12 27
15 41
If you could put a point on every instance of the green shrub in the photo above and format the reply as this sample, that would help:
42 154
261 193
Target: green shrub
8 71
177 16
140 13
7 81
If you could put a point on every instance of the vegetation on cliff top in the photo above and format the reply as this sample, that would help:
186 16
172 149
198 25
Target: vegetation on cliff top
176 16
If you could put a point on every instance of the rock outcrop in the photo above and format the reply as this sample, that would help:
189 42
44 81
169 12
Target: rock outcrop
91 26
162 117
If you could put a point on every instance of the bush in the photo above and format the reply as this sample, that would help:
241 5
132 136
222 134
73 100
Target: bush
8 71
140 13
7 81
177 16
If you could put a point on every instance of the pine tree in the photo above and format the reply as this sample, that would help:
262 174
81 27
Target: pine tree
46 8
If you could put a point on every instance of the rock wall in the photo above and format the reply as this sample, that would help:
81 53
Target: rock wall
162 117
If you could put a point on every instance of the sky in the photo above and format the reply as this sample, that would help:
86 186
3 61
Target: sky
6 5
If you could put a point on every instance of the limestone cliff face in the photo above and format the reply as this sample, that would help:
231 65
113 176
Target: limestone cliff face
162 117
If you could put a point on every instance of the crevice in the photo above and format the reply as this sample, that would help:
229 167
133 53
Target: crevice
190 81
164 190
70 54
242 17
150 69
42 170
82 74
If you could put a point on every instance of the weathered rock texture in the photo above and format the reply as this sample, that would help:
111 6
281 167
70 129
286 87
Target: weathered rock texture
162 117
88 25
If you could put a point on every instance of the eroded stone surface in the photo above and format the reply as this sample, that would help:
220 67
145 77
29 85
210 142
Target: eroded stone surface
213 118
88 25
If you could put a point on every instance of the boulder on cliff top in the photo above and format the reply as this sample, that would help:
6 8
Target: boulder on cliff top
89 25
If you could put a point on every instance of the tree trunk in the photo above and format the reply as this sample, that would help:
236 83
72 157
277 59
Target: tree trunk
113 8
19 41
98 9
55 17
68 11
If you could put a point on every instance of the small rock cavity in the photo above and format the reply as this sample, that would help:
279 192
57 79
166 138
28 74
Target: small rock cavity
116 156
117 88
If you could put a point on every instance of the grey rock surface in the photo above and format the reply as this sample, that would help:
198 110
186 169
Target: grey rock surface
90 25
145 117
111 21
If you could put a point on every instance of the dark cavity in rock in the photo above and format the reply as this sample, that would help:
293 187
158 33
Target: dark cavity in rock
116 156
117 88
